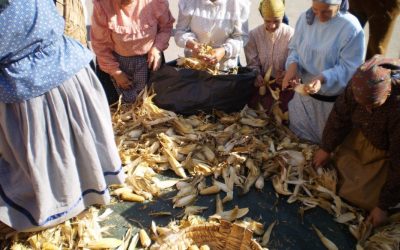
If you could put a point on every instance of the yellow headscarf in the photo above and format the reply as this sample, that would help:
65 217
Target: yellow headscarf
272 8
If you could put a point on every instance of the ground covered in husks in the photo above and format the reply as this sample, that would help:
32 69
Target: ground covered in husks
238 174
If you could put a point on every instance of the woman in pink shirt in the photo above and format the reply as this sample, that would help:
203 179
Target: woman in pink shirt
128 38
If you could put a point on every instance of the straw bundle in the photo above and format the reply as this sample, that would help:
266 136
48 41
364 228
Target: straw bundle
75 25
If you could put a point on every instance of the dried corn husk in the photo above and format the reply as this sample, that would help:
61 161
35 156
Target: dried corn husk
104 243
144 238
210 190
267 234
327 243
300 89
132 197
231 215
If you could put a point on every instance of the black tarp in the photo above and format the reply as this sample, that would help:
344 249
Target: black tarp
187 91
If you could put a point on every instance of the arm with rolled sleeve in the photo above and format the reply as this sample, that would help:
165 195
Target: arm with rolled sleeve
101 41
351 57
165 25
182 29
239 36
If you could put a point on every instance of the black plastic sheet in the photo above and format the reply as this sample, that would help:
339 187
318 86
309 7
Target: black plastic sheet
187 91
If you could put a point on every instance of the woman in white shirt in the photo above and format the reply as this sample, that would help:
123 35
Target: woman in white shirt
222 24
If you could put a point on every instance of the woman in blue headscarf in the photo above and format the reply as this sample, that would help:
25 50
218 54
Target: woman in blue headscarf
326 49
57 148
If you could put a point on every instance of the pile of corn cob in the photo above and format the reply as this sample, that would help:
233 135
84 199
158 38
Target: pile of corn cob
240 149
81 232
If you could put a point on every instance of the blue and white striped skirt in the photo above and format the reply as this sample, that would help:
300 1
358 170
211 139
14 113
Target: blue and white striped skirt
57 154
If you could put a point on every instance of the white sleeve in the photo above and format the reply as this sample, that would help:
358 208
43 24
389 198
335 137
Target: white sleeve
240 33
182 28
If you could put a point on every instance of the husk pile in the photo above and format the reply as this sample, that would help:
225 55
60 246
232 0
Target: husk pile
235 150
386 237
239 149
81 232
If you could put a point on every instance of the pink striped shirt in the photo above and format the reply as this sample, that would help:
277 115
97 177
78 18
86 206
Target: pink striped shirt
130 30
265 48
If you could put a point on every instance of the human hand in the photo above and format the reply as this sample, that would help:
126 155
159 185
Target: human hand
194 47
321 157
216 55
285 83
289 83
154 59
377 217
314 86
279 75
122 80
259 81
289 80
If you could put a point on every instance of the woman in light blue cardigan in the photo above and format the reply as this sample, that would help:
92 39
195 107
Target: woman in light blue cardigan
326 49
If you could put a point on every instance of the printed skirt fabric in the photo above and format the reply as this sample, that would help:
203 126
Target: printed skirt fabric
307 117
57 154
136 69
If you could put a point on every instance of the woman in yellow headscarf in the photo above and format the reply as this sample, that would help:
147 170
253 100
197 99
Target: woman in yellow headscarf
268 49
